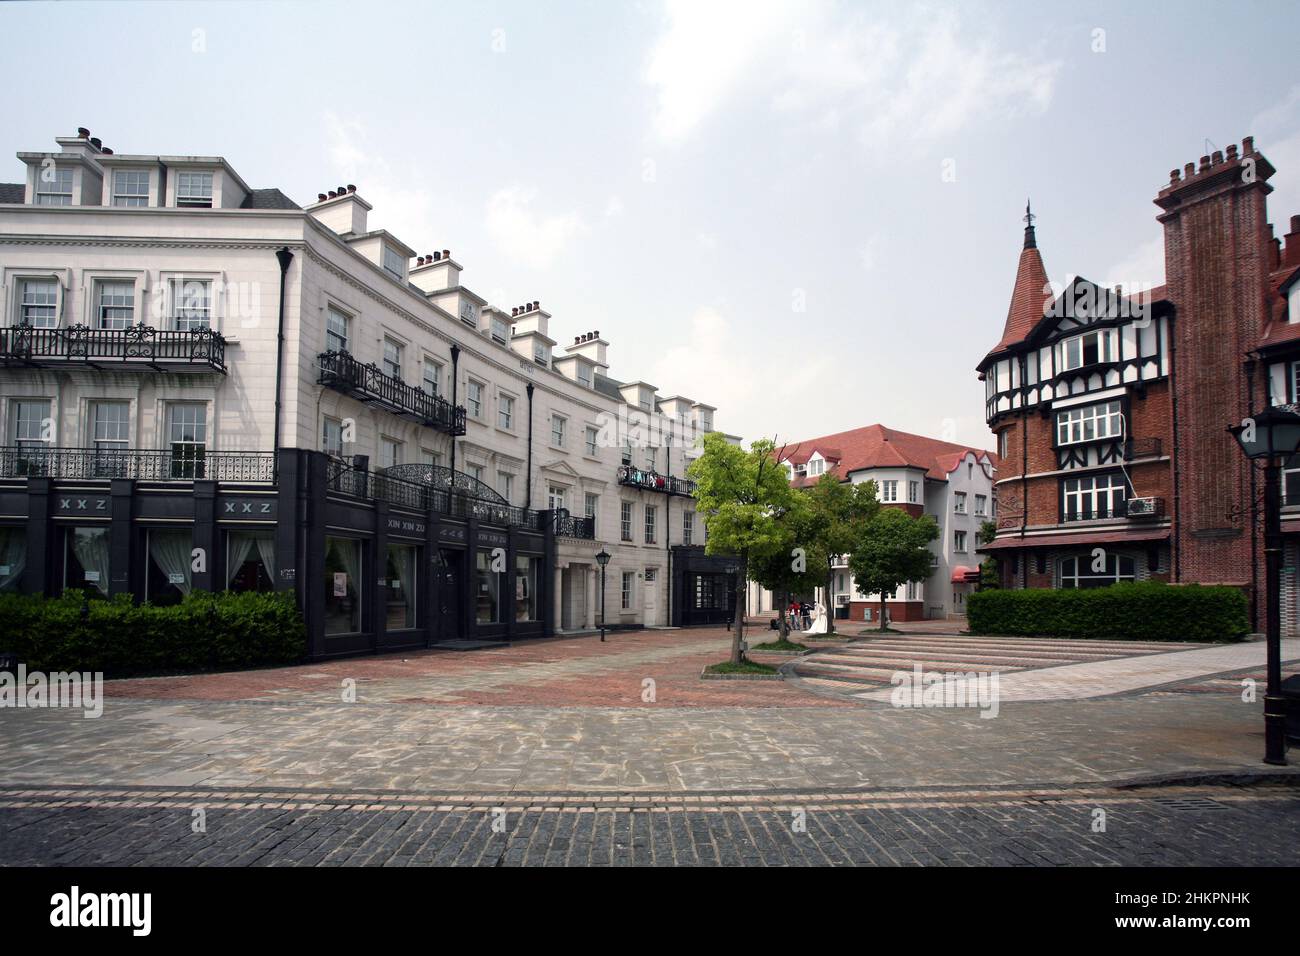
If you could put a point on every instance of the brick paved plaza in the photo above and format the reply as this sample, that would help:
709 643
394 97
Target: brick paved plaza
561 743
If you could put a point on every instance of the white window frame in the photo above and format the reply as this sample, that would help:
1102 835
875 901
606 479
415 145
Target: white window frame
889 490
559 430
393 355
651 524
959 502
592 438
981 505
335 316
100 308
474 398
22 282
959 541
432 386
1070 352
688 527
629 587
591 507
1092 491
395 263
625 521
505 411
187 197
1084 423
21 435
329 446
390 451
122 198
1074 569
183 314
53 194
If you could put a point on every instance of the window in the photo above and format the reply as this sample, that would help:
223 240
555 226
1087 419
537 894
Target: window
86 559
1096 496
398 588
487 598
168 576
584 376
541 354
390 452
816 466
110 431
558 426
959 541
1004 442
250 561
54 187
592 508
629 585
38 303
959 502
555 497
116 304
706 421
432 376
1089 422
130 187
500 332
913 590
394 263
392 363
194 190
332 437
688 527
981 502
191 304
650 524
505 412
593 436
1090 348
506 485
913 491
889 490
475 472
627 454
651 454
30 423
527 575
625 521
469 314
474 399
336 330
187 437
1085 571
342 585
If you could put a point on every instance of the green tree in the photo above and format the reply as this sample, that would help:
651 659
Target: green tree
891 550
791 568
744 496
989 577
838 511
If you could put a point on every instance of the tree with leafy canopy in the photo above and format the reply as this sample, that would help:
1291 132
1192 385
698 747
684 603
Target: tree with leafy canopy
989 577
744 496
792 568
891 549
838 511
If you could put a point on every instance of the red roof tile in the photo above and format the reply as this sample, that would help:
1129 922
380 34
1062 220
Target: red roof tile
876 446
1030 295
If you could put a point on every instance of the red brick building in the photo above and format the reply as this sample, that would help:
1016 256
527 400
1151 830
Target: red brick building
1111 407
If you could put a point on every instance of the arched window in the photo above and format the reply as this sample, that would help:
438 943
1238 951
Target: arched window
1078 571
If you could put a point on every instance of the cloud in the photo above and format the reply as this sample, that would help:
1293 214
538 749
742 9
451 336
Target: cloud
525 236
1143 268
916 77
1277 136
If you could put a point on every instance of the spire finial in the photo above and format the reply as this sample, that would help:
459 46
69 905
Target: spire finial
1031 242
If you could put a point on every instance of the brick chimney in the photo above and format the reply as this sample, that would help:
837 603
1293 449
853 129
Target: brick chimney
1217 251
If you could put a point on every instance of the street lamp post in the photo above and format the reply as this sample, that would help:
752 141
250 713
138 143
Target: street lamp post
602 558
1270 435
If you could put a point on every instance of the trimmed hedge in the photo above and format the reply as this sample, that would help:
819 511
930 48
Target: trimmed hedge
204 632
1149 611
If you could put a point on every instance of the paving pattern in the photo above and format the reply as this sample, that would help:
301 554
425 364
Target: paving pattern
1207 825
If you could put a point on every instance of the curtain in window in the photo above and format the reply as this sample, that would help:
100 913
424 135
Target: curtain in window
349 554
90 545
13 557
266 551
241 545
170 550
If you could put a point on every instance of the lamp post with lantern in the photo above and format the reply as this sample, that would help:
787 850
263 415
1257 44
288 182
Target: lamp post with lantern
602 558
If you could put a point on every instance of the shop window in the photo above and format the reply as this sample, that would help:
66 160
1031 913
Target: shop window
250 561
527 573
85 559
487 594
1085 571
342 585
169 577
399 587
13 558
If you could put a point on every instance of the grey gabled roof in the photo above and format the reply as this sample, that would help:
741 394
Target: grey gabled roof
13 193
268 199
608 386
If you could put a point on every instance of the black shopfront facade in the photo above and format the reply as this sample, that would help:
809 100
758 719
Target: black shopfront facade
704 587
375 563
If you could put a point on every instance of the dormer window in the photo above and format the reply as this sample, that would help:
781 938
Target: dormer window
541 355
645 404
54 187
130 187
194 190
1091 348
394 263
469 313
816 466
499 330
584 376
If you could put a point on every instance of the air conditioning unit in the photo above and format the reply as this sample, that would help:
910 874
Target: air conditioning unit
1145 507
841 600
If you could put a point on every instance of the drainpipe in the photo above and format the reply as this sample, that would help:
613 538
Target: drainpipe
1249 367
1176 527
455 386
285 257
528 477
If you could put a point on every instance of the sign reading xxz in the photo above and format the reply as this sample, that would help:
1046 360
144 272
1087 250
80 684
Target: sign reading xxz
83 504
248 507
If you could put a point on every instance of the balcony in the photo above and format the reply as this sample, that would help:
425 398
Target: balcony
653 481
137 347
369 384
184 463
573 526
431 487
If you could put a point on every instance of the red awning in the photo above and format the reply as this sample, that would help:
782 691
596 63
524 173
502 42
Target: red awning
1014 542
964 575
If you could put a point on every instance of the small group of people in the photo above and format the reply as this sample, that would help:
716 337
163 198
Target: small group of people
806 616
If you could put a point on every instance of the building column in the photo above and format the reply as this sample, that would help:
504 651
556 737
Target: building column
592 585
205 537
121 541
42 575
558 612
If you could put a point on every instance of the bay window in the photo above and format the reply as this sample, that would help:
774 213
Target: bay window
1089 423
1093 496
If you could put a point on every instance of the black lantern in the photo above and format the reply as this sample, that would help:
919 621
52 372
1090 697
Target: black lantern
602 558
1272 436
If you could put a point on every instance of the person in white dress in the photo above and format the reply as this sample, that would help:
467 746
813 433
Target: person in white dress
818 625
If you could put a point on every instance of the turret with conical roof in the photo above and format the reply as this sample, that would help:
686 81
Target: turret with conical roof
1029 295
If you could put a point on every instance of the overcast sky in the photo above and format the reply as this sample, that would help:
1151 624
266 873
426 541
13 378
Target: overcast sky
805 214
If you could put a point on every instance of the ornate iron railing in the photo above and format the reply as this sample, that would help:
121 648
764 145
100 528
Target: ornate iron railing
136 346
653 481
572 526
182 463
370 384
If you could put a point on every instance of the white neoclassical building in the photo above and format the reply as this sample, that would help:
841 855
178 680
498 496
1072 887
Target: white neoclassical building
317 407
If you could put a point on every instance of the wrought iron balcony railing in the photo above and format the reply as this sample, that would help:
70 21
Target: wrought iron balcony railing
181 463
137 347
653 481
370 384
573 526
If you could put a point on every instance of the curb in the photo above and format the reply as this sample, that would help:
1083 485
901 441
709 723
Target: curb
705 675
